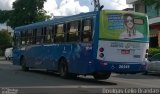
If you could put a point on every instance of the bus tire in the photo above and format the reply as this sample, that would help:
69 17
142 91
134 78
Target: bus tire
73 76
23 65
145 73
6 58
63 68
101 76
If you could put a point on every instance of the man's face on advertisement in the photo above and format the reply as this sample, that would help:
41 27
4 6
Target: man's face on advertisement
129 22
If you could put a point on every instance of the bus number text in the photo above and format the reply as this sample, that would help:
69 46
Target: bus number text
124 66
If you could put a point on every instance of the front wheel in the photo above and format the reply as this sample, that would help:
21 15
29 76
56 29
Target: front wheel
6 58
23 65
145 73
101 76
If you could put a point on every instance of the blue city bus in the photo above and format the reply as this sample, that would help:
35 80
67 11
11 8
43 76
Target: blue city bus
94 43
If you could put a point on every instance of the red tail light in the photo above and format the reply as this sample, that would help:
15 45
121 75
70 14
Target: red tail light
101 49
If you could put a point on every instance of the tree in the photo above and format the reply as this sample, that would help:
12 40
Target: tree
152 2
4 15
27 12
5 40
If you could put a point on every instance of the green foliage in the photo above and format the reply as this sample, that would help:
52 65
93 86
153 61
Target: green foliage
24 12
5 40
153 51
151 2
4 15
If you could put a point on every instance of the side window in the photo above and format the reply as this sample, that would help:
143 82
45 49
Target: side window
44 34
30 34
73 31
87 30
39 36
52 33
14 40
23 38
60 34
17 39
26 36
34 36
48 34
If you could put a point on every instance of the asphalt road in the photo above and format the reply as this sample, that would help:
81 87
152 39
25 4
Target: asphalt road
12 79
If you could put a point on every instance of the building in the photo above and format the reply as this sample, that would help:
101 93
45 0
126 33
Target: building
154 20
128 9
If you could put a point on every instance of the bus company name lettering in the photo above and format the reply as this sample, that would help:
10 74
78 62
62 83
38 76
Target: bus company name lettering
124 45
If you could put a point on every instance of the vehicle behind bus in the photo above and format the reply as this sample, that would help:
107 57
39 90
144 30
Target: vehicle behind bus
8 53
83 44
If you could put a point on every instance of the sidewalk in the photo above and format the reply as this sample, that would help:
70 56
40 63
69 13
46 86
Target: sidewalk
3 61
2 58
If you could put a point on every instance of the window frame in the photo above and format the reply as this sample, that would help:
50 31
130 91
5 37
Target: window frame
91 30
61 32
78 30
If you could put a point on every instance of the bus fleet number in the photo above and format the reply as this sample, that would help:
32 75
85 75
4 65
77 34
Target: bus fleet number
124 66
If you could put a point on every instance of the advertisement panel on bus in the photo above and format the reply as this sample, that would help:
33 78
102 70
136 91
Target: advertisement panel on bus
125 34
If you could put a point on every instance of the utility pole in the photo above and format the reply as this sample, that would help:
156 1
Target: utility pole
97 5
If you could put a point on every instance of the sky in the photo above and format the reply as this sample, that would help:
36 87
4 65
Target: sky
70 7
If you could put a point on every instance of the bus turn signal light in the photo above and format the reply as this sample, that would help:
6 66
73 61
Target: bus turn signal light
147 51
101 55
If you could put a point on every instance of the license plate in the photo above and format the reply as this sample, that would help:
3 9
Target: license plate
125 51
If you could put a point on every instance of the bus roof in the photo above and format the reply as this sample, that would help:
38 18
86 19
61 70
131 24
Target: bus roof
55 21
62 19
